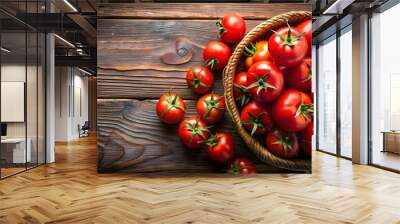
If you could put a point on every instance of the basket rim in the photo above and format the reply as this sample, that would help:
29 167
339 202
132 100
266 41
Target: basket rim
228 75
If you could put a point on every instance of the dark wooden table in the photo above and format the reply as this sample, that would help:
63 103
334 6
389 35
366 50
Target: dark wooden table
144 50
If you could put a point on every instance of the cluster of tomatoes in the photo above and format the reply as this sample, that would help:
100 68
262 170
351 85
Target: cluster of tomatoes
274 92
194 131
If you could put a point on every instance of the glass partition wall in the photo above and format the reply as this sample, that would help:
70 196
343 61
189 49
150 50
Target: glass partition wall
334 94
22 88
385 89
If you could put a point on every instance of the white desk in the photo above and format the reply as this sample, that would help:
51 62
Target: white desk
18 144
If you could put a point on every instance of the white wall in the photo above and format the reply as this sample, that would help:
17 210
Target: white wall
71 102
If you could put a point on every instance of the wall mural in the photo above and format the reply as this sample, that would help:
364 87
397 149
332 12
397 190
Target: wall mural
212 89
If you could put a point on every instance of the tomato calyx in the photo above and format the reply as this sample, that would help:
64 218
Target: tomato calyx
289 39
213 140
305 110
250 50
283 140
256 121
173 102
211 104
243 98
195 130
212 62
261 83
221 28
309 76
196 80
237 168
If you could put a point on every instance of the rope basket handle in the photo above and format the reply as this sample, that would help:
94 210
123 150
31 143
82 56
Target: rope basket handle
229 73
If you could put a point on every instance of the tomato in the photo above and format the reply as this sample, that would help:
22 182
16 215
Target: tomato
211 108
282 144
306 28
216 54
241 165
287 46
299 76
221 147
200 79
170 108
265 80
256 53
306 139
193 132
231 28
256 117
293 110
240 91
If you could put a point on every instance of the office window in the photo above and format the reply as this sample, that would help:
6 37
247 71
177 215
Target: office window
346 92
385 89
327 95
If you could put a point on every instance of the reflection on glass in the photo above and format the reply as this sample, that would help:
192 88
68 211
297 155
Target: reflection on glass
346 92
327 95
385 84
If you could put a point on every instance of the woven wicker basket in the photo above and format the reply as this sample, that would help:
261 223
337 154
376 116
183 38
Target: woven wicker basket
229 73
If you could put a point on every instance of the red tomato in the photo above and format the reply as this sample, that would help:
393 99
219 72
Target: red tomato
293 110
221 147
200 79
216 54
170 108
193 132
287 46
241 165
256 117
265 80
231 28
306 139
211 107
306 28
257 53
240 91
282 144
299 76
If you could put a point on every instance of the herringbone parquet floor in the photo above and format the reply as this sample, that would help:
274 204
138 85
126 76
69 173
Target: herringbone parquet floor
71 191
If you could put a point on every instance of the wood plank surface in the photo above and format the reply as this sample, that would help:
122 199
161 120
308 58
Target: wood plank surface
207 11
135 56
132 139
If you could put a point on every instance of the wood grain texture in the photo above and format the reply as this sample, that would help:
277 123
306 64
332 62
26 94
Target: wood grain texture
254 11
132 139
144 50
71 191
130 53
